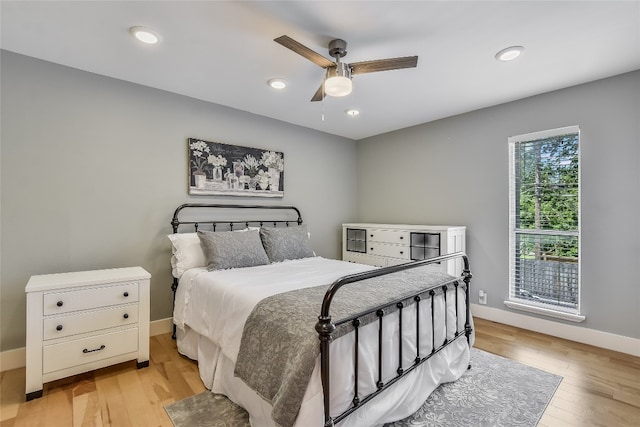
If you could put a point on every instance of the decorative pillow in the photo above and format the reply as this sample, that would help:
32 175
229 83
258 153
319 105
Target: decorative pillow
286 242
187 253
230 249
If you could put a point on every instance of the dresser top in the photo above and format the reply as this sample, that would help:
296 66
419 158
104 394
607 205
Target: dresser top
403 226
46 282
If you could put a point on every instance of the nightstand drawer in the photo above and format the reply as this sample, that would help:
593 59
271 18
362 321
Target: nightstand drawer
393 251
78 352
86 299
88 321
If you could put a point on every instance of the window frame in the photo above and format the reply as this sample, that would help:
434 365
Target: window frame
573 314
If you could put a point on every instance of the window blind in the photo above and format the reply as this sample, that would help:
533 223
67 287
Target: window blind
544 219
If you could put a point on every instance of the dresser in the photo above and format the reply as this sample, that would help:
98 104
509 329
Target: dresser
81 321
384 245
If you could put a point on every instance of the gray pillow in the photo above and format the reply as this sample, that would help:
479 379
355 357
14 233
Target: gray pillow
232 249
286 242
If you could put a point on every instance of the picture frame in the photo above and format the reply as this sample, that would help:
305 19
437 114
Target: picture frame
217 169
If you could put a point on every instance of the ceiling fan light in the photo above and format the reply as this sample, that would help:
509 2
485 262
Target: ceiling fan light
338 86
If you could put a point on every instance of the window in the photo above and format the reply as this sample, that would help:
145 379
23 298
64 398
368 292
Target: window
544 222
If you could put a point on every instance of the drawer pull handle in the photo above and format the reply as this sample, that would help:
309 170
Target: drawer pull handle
126 294
95 349
59 328
126 316
401 237
401 252
59 303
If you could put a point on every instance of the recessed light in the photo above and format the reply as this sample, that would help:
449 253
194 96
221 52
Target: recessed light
277 83
510 53
145 35
352 112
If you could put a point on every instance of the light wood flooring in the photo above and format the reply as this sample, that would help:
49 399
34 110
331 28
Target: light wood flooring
600 387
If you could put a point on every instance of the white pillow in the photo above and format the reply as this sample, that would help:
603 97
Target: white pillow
187 253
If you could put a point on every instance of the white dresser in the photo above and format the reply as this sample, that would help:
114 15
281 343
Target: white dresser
81 321
384 245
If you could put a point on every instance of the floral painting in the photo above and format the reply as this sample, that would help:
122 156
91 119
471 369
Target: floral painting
233 170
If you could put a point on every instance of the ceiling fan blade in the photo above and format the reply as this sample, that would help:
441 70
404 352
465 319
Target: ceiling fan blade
383 65
302 50
319 93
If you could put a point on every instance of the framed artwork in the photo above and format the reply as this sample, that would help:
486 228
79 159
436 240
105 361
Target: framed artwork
217 169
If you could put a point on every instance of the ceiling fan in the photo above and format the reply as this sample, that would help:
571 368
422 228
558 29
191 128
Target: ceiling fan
337 81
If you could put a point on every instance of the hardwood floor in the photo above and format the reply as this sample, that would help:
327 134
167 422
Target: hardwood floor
600 387
118 396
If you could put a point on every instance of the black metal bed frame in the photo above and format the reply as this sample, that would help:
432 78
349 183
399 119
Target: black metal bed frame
326 325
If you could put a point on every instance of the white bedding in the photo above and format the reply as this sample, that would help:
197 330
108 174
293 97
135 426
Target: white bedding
212 307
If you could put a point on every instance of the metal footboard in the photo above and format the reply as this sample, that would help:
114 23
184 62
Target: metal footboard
326 327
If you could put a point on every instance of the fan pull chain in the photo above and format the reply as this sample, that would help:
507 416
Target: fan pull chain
353 100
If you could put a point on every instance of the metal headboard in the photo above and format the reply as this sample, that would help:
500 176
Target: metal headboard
176 222
229 224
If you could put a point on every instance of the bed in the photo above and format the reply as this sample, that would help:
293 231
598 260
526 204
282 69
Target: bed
301 340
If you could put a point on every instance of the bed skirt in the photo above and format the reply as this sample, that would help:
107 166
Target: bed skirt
398 402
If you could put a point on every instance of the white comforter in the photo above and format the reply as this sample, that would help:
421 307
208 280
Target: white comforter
215 305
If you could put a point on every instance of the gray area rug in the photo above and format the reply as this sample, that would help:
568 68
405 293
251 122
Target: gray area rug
494 392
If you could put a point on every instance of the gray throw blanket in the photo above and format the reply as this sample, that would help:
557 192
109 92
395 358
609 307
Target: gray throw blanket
279 345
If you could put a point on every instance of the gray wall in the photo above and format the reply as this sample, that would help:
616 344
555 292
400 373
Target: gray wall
92 169
455 171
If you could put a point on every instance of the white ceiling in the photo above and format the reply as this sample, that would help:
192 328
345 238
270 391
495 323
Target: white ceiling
223 51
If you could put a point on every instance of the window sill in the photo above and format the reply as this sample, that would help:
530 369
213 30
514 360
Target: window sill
545 311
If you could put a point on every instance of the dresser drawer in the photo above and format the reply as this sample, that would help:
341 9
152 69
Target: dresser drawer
88 321
85 299
78 352
388 236
365 259
393 251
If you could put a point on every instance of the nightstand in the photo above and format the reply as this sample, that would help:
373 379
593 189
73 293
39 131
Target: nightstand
81 321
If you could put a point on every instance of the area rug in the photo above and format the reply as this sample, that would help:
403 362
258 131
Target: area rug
495 392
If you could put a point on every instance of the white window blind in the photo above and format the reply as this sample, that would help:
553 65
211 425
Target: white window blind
544 220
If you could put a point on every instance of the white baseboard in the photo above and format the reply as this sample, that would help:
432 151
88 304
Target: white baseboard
593 337
162 326
13 359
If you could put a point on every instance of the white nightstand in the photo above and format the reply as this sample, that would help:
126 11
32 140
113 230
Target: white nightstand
78 322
